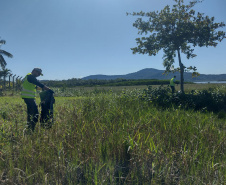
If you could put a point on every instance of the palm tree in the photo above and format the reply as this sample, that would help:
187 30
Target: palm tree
4 74
4 53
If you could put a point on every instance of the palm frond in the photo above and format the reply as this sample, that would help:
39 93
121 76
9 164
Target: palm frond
1 74
2 62
5 72
3 52
2 42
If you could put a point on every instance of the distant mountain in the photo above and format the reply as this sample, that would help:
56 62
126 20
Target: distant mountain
150 73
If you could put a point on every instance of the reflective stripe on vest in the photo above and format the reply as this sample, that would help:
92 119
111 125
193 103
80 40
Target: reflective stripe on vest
23 95
172 82
28 90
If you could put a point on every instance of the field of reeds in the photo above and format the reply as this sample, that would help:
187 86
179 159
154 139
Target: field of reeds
113 136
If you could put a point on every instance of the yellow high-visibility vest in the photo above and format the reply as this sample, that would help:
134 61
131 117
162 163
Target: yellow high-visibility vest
172 82
28 90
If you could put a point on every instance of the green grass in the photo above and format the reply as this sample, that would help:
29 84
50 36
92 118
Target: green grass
112 138
81 91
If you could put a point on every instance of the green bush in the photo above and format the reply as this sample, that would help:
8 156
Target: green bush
212 100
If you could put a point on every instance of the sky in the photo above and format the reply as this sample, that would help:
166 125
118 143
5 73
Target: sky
77 38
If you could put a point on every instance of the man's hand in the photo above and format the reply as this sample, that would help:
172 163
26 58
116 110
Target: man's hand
46 88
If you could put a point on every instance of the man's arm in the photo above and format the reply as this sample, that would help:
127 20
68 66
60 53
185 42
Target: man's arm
33 80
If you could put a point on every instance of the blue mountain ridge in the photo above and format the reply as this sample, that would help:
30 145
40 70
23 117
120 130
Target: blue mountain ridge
151 73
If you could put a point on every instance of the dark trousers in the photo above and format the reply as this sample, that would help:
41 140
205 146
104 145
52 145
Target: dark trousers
173 89
32 113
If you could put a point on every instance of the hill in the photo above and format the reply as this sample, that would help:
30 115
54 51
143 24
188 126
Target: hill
150 73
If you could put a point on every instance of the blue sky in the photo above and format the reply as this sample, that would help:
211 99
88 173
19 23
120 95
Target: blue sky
77 38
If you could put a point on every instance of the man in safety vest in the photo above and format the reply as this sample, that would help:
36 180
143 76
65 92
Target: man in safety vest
172 84
28 94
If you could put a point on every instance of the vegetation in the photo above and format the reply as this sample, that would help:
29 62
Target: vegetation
115 137
176 31
3 53
94 82
212 100
124 136
4 72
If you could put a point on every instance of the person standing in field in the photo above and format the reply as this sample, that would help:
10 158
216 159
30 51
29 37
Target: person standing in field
172 84
28 95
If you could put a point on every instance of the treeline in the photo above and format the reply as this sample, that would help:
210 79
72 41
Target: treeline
74 82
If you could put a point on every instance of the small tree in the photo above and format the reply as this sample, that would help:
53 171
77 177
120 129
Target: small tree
4 53
176 31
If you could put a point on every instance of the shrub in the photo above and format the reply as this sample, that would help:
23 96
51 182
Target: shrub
212 100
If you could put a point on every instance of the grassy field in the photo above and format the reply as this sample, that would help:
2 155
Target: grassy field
105 136
187 87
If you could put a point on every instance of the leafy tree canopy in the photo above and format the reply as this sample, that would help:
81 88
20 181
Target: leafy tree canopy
176 30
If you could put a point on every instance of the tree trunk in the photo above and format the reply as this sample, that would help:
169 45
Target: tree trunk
4 81
9 81
181 72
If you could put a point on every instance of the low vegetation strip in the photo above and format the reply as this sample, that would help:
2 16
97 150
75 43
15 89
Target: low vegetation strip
112 138
95 82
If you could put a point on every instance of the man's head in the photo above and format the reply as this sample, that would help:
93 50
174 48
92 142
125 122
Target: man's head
37 72
174 76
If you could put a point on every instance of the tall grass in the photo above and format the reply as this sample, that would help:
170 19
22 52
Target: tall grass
112 138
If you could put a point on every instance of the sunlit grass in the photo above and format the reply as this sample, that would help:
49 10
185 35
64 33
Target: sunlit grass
112 138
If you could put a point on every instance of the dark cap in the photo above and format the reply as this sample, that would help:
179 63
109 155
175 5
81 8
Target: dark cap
38 70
